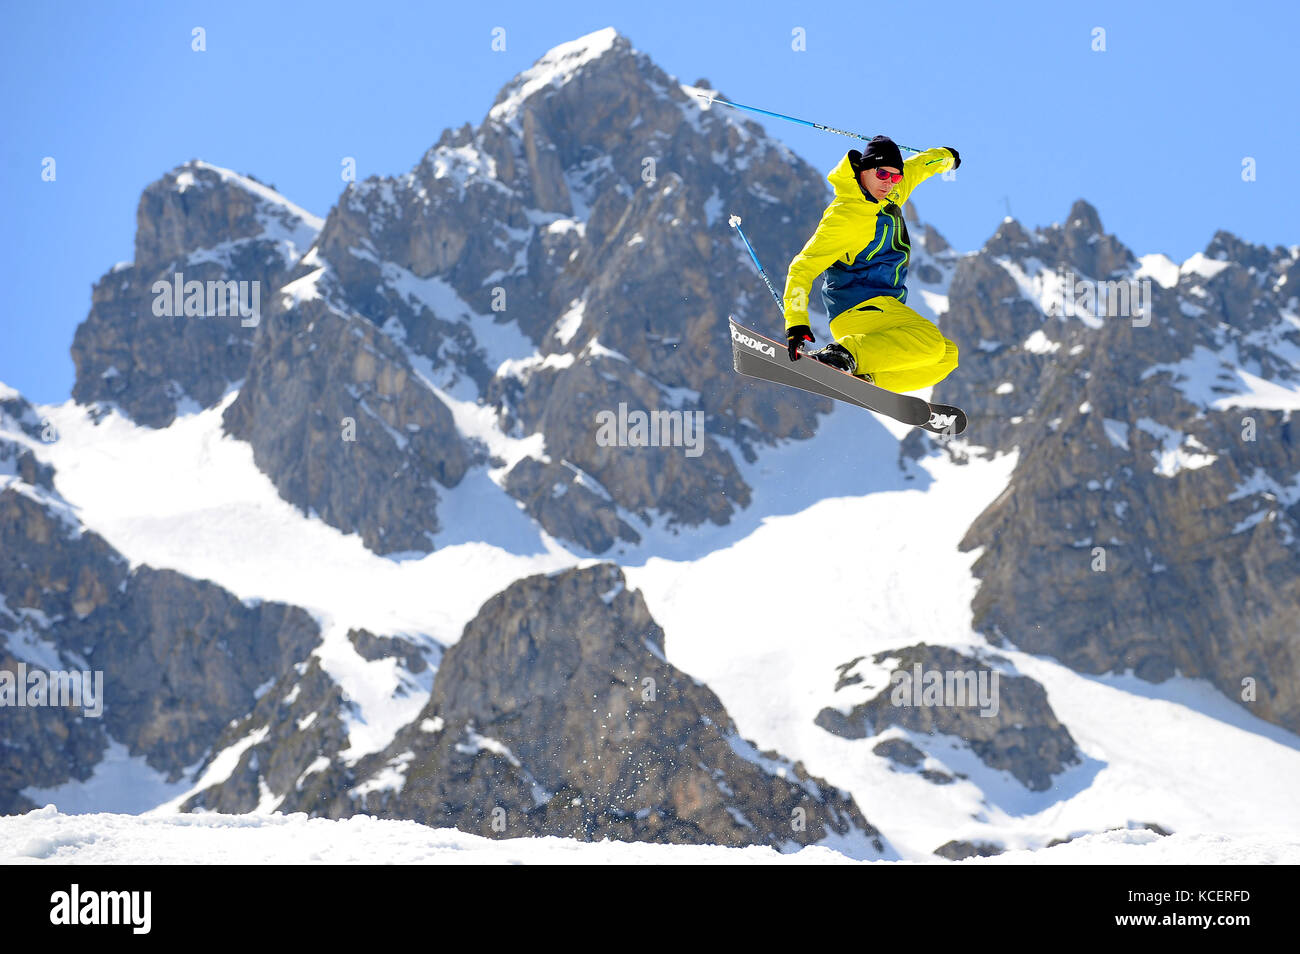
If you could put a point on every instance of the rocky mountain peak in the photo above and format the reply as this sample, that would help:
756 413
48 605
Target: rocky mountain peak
155 353
1226 247
201 206
569 255
1083 218
603 50
558 700
1010 240
1151 405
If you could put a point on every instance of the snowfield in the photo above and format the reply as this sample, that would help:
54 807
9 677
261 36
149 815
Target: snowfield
189 498
47 837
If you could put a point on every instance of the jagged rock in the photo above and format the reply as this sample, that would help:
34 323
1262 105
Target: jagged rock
179 657
604 241
620 271
209 225
1082 244
1149 826
932 240
42 746
48 564
555 496
342 424
935 776
370 646
555 714
17 414
19 418
1125 501
900 751
1114 514
49 572
297 732
957 850
182 658
1021 736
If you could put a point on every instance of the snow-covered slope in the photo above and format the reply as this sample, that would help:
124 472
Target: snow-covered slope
876 547
46 836
888 574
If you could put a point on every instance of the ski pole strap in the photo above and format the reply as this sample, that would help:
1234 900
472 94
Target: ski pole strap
802 122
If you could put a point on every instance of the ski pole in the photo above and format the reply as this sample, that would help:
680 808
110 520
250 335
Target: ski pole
802 122
734 222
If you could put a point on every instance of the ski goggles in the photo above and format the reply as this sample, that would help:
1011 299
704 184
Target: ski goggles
884 176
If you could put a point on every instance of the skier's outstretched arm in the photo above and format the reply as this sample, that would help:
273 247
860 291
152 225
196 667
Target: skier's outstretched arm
925 164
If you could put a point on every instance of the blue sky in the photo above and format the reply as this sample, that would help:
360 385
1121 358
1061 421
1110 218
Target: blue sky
1152 130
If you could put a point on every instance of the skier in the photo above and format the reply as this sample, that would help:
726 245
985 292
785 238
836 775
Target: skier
862 245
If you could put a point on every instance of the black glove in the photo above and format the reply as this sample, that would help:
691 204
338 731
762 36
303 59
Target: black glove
795 336
956 159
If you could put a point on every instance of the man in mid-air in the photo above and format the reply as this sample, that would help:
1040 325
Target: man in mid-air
862 245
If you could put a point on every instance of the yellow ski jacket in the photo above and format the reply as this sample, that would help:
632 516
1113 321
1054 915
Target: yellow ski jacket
861 244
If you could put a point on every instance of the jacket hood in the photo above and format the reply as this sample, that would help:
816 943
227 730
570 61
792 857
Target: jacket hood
845 183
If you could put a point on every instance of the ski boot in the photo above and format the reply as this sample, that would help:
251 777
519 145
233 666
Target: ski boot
839 357
836 355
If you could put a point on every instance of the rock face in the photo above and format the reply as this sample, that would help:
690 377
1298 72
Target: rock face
285 751
179 657
210 226
183 657
557 707
555 714
19 417
1018 733
959 850
1151 520
998 305
293 751
336 415
554 264
546 266
46 572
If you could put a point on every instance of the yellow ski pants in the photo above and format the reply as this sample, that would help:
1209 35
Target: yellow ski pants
901 350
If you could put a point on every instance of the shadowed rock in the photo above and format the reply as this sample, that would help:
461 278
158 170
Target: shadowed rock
1022 735
556 714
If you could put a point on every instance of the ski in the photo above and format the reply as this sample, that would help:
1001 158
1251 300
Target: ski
945 419
757 356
